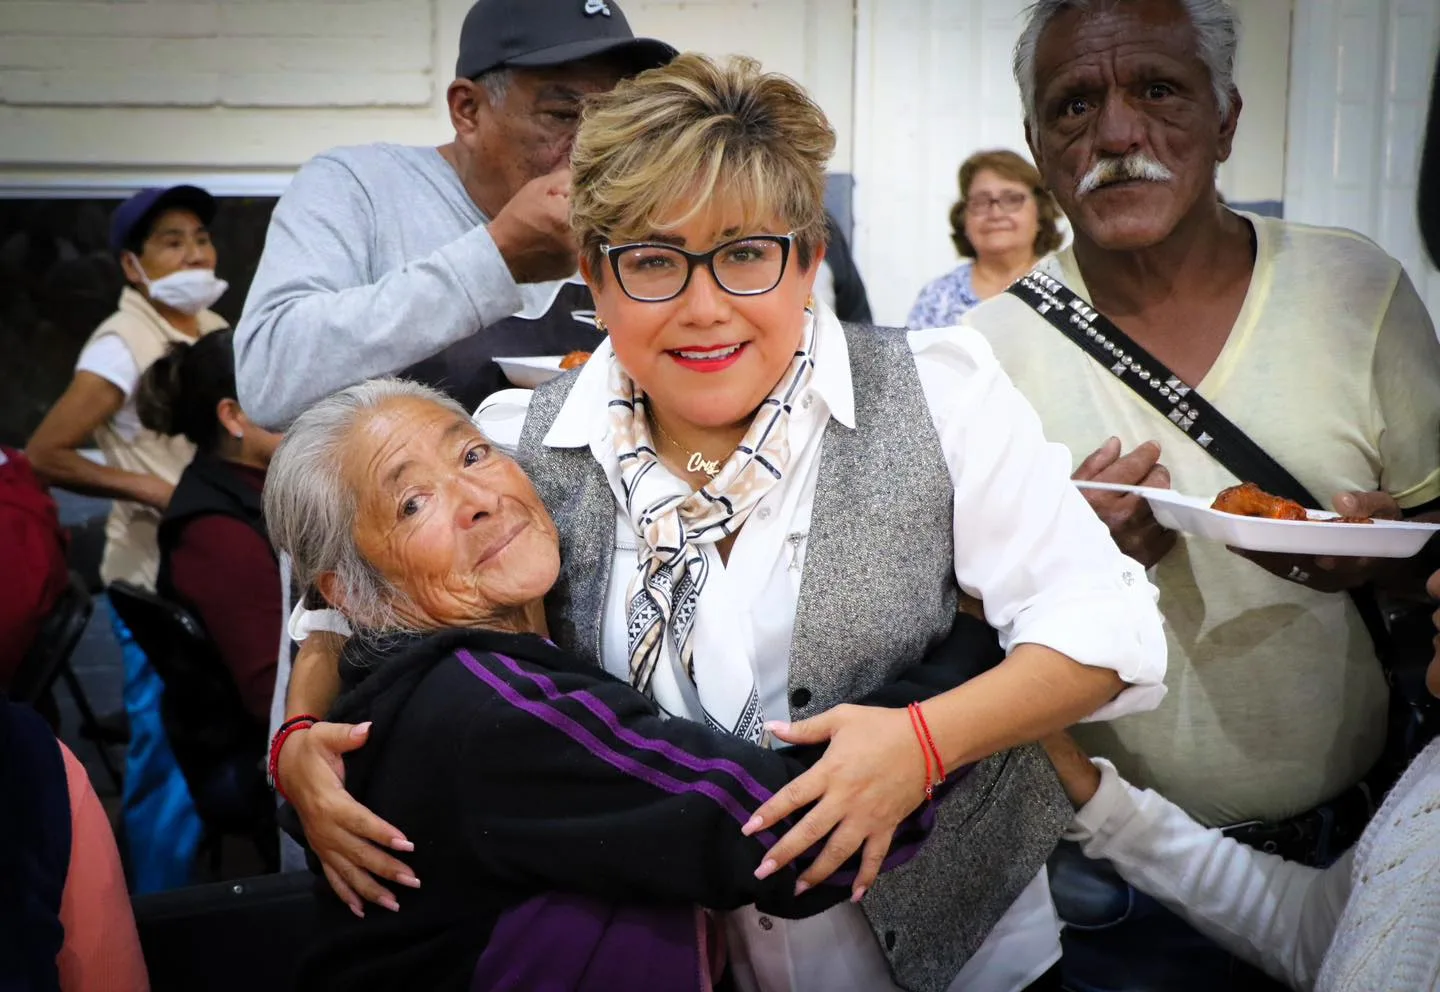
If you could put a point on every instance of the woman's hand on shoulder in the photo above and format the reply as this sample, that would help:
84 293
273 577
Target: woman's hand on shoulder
346 837
871 777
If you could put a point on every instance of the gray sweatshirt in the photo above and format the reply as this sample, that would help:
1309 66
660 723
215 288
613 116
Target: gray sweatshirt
378 262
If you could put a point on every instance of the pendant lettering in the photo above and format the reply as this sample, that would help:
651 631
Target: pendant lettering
697 463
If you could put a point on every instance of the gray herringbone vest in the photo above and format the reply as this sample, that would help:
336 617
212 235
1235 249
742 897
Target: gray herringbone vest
878 590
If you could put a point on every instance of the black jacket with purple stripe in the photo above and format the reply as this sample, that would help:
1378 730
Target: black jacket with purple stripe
565 832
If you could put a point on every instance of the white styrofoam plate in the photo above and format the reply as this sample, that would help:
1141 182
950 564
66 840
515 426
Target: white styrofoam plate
1192 515
528 373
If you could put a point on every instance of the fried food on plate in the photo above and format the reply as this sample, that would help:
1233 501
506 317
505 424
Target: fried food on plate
574 360
1249 500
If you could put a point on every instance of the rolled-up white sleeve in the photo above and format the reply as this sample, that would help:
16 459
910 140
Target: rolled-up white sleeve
1027 545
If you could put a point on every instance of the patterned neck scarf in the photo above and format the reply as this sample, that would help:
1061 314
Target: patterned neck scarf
664 594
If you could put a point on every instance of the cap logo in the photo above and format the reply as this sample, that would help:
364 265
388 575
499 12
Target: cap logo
593 7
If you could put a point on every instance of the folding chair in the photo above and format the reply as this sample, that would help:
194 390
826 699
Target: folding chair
218 745
48 661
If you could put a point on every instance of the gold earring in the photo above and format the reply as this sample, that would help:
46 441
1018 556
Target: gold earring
810 302
600 324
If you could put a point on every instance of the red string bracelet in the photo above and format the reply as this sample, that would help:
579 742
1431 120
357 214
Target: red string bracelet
927 745
924 751
302 722
940 765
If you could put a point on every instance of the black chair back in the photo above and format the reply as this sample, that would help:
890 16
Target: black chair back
49 656
210 731
233 936
87 550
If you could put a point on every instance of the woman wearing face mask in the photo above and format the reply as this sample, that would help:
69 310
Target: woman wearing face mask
163 242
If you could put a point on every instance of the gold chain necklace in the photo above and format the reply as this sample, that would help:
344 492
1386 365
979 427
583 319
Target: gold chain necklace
697 461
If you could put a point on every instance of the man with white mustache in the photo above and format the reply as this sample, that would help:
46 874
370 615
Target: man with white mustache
1314 344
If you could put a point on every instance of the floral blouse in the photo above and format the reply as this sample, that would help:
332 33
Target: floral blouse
943 301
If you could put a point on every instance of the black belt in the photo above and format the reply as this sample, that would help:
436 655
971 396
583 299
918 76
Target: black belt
1316 837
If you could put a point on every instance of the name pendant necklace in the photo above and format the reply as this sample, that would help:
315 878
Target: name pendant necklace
697 461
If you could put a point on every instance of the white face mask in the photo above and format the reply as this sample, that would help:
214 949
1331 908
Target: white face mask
189 290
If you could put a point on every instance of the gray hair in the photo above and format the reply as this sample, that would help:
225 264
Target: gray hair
1217 36
497 84
310 510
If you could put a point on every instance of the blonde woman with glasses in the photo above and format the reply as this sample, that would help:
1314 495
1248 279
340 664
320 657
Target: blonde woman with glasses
764 514
1003 223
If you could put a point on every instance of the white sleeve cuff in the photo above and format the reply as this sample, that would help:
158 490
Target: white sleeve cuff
1114 801
305 622
1117 628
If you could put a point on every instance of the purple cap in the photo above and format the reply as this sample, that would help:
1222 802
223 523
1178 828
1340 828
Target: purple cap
149 202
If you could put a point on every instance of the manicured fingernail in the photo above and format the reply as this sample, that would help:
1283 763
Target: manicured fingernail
751 825
766 869
360 730
389 903
357 909
777 726
858 894
409 880
401 844
801 888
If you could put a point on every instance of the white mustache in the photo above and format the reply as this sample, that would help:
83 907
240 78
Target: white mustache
1136 165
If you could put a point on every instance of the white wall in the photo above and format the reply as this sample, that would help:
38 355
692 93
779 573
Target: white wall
1355 144
933 85
121 93
113 94
812 41
1256 170
117 93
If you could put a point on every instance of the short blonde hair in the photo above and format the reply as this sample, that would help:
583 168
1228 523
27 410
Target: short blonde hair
657 150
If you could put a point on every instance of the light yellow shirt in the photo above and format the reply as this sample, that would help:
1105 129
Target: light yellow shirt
1276 701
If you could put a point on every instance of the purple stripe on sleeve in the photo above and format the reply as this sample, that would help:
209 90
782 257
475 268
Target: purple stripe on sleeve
623 763
664 748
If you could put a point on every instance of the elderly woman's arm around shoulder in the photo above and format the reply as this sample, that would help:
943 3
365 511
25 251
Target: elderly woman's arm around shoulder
350 841
1077 618
1277 914
569 779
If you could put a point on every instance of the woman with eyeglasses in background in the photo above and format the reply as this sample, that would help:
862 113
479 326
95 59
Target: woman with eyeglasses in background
1003 223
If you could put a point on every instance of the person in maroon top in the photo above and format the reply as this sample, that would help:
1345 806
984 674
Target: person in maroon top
34 548
215 555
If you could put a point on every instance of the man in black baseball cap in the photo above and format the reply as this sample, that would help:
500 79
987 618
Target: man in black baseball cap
433 261
540 33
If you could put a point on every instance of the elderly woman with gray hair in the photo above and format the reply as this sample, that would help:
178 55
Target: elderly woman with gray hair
566 831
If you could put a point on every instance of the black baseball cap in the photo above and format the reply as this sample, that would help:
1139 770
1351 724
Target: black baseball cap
532 33
149 202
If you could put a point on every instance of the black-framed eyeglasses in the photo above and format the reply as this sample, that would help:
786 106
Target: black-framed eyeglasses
649 272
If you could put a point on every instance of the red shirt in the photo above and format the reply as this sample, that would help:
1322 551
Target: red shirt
227 573
33 572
